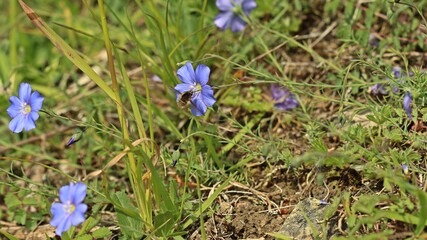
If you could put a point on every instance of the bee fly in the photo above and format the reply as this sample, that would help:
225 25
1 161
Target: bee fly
184 98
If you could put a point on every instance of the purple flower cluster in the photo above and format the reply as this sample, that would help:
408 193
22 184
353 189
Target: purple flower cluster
380 89
283 98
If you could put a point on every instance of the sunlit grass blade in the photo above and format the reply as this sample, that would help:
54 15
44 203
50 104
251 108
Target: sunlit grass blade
8 235
132 98
13 40
67 50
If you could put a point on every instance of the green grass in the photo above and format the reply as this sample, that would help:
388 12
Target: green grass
98 76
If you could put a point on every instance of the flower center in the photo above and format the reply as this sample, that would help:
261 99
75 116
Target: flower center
197 88
69 208
25 108
237 8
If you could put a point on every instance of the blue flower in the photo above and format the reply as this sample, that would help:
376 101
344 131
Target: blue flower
283 98
71 210
229 18
75 138
373 40
195 88
396 71
72 140
405 168
24 110
379 89
407 104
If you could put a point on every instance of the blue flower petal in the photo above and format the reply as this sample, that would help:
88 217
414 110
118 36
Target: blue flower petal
202 74
34 116
224 5
186 74
198 107
24 92
36 101
207 96
63 226
287 104
29 122
17 123
223 20
237 24
248 5
81 208
195 111
15 107
79 193
278 92
65 193
183 87
58 213
78 215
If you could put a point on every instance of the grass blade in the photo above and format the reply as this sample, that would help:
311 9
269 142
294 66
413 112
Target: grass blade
66 50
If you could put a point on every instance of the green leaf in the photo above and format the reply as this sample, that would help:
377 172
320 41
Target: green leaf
21 216
164 222
423 212
8 235
88 225
84 237
129 225
30 201
11 200
279 236
102 233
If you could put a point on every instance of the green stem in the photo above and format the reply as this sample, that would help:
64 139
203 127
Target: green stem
137 184
12 39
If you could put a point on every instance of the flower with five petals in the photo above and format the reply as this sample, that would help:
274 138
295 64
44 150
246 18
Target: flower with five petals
24 109
194 88
71 210
229 15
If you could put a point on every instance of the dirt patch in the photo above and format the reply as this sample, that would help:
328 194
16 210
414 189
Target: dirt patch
249 212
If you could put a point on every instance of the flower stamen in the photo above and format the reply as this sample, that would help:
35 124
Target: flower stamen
197 88
25 108
69 207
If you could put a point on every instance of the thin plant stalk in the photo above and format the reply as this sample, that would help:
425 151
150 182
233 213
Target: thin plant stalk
67 50
12 40
137 184
147 89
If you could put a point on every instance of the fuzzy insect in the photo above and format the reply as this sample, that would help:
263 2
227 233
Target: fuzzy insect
184 99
